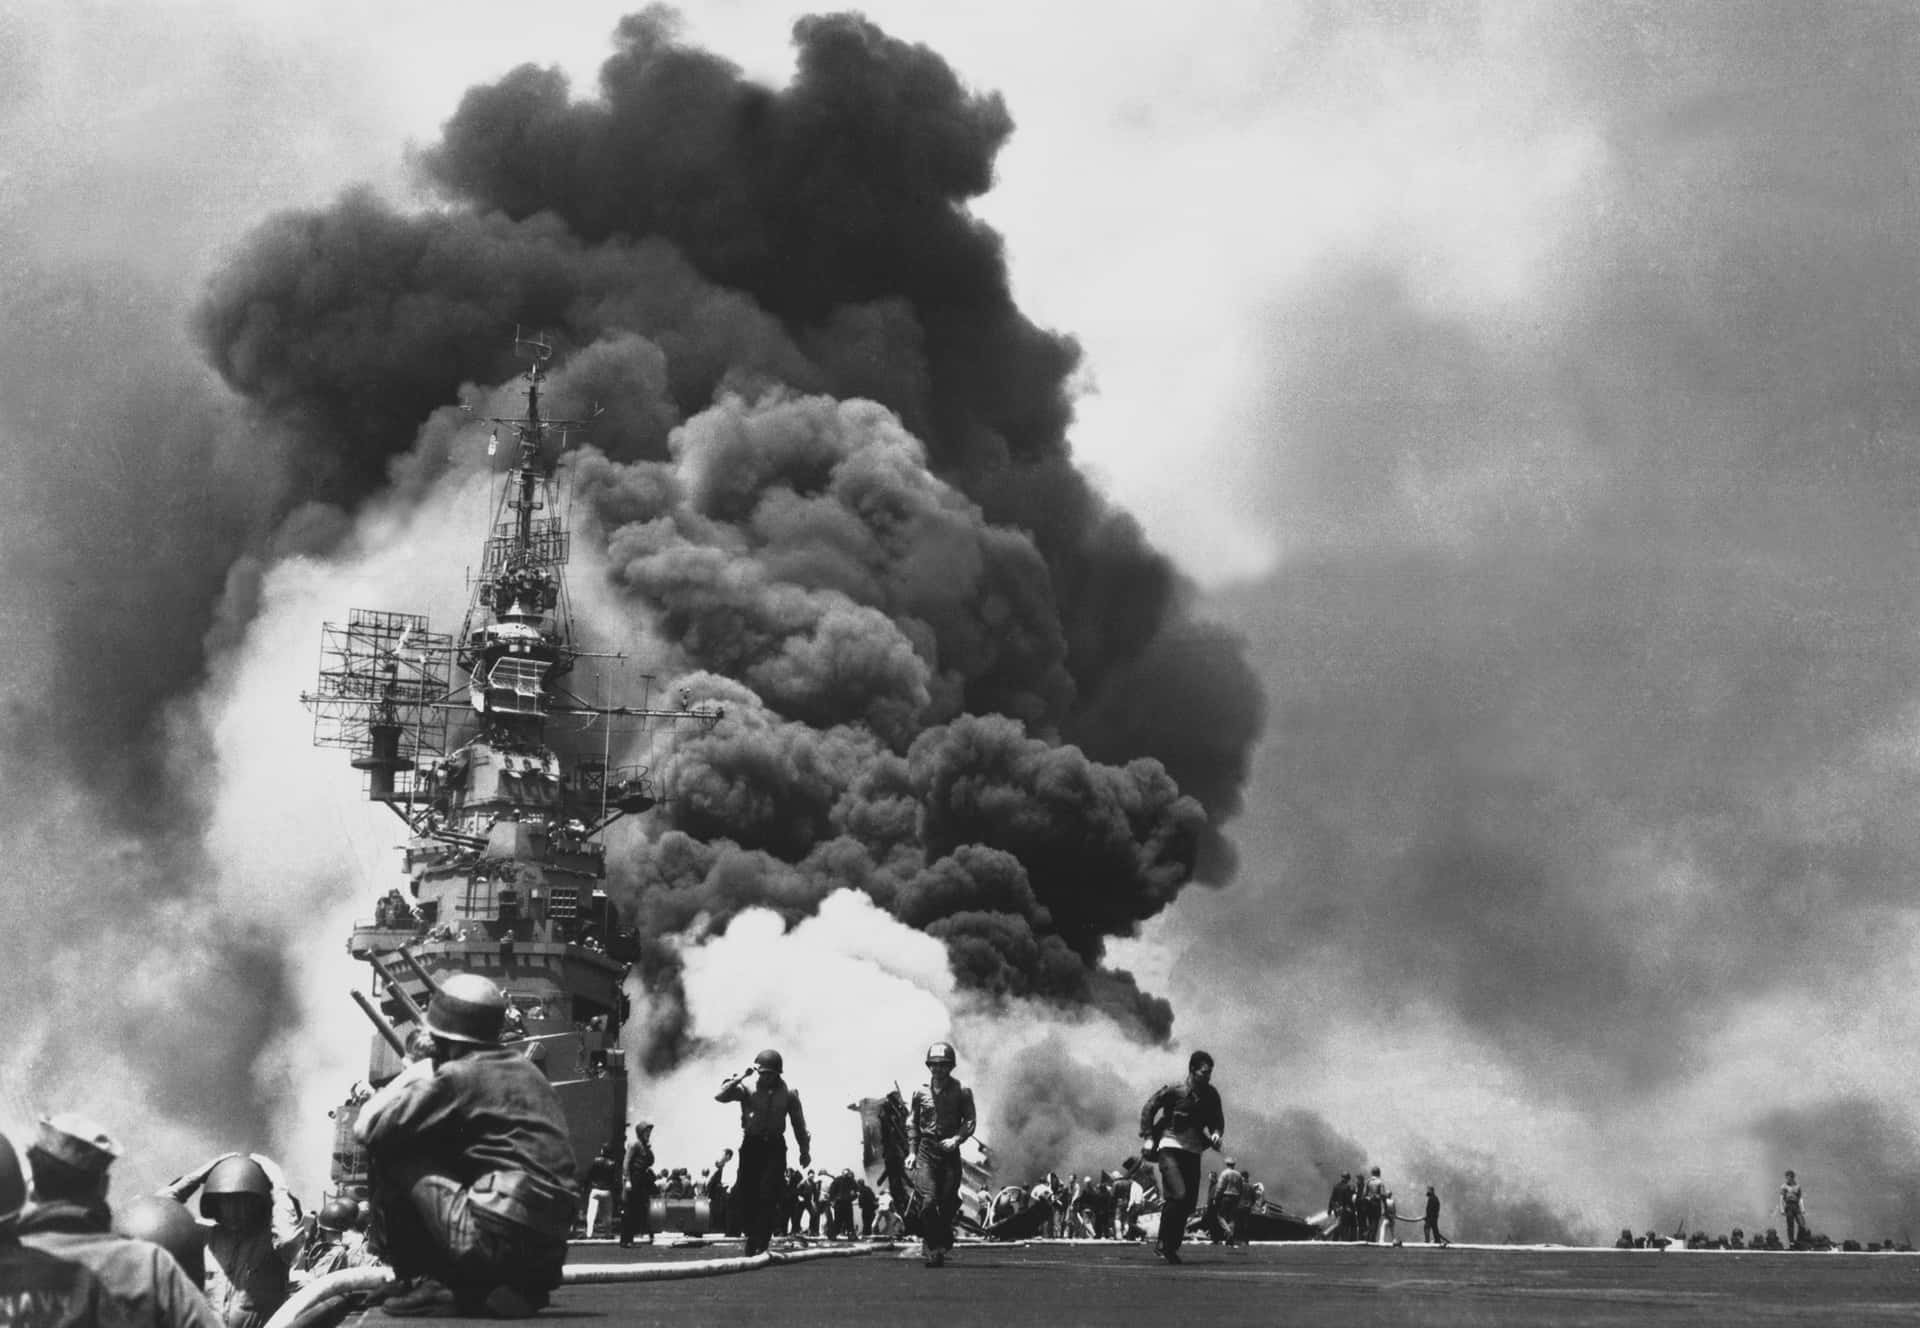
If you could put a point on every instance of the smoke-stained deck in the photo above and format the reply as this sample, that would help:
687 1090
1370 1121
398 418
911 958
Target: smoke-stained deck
1293 1284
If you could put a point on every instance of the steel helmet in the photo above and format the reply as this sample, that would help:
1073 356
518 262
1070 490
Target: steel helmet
237 1175
467 1008
13 1184
769 1060
941 1053
167 1223
338 1213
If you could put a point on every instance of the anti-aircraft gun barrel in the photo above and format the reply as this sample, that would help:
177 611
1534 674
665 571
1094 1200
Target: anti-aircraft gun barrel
420 971
398 992
385 1029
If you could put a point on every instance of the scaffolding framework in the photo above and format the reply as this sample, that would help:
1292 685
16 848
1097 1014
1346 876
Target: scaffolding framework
382 671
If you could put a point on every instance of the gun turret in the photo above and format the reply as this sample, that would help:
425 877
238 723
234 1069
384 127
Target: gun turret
420 971
398 992
380 1024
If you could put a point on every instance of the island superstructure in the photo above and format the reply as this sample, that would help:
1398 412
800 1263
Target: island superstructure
505 860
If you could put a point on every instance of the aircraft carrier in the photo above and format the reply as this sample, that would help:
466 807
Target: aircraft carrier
505 872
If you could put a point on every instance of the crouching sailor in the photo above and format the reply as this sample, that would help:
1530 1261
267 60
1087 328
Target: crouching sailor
470 1166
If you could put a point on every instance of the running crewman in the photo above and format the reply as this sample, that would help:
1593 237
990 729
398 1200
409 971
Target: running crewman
940 1120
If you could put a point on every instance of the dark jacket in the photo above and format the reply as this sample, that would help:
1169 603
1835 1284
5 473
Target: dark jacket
1183 1112
142 1279
640 1168
41 1290
766 1108
490 1121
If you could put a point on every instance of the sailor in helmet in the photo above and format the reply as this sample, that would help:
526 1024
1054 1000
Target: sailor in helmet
940 1119
765 1109
471 1165
256 1233
332 1242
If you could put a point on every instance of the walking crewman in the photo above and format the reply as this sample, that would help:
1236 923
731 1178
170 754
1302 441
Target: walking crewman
70 1157
636 1213
1791 1207
1430 1230
765 1109
471 1165
1372 1206
1229 1195
1179 1123
603 1184
842 1193
939 1121
1340 1207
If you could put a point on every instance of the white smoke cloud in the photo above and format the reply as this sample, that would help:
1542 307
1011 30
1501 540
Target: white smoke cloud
296 846
851 997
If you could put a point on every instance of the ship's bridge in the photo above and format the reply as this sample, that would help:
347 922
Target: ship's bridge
514 665
484 780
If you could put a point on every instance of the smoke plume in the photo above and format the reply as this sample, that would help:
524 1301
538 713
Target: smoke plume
832 479
828 485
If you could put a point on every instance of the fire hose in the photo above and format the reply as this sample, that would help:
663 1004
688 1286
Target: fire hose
313 1303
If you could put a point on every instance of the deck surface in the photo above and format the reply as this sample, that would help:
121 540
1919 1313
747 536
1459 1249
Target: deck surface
1351 1286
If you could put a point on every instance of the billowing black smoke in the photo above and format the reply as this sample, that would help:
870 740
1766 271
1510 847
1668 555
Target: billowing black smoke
1062 1115
832 473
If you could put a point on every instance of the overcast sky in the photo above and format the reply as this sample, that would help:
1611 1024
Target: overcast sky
1534 388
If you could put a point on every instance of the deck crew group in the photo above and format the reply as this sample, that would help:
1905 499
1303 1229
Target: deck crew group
473 1193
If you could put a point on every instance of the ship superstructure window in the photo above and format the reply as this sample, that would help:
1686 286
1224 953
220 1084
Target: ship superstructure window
513 686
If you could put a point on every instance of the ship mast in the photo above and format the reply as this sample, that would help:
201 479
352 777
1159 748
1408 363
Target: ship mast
387 685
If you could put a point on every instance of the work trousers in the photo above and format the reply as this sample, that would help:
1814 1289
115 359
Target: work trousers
936 1180
759 1186
598 1202
1179 1195
1226 1216
430 1229
636 1214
